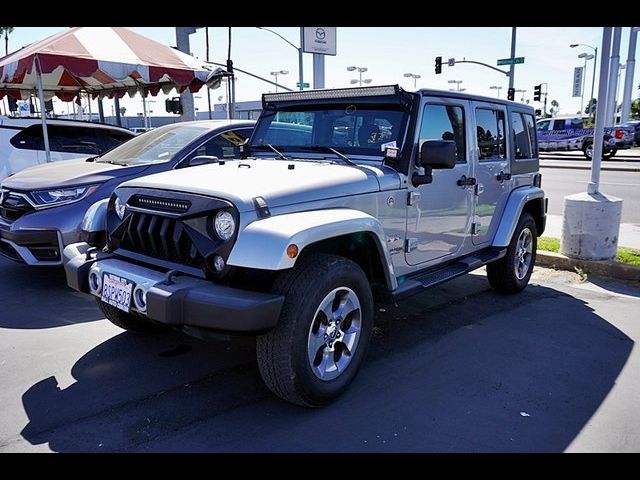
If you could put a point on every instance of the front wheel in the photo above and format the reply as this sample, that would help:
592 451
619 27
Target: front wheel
325 326
512 272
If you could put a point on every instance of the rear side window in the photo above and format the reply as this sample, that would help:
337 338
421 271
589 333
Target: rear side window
530 124
490 132
29 139
521 139
445 122
64 139
558 125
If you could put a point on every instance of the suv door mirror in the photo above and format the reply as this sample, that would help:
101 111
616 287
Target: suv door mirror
202 160
438 154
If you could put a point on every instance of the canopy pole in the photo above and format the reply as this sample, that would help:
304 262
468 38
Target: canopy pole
45 133
144 110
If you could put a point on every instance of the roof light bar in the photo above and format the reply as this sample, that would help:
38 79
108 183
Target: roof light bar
331 93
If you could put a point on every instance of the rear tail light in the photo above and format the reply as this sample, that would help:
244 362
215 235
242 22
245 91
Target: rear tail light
619 134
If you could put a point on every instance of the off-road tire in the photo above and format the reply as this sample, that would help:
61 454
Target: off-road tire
282 352
502 273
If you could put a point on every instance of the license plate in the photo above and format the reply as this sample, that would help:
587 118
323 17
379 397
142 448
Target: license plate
116 291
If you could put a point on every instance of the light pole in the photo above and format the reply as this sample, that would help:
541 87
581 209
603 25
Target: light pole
457 82
360 70
280 72
620 68
518 90
299 49
414 76
586 56
149 111
496 87
592 110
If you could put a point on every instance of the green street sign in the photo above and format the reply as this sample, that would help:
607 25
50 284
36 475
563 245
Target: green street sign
304 85
510 61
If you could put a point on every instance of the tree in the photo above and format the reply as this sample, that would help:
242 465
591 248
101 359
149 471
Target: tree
635 109
554 107
6 31
123 110
591 106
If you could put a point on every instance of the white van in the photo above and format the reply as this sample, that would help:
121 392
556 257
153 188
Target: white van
22 145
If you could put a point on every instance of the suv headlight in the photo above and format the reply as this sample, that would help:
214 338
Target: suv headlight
225 225
120 208
62 195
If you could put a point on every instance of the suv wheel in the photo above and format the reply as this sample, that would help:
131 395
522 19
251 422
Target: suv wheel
511 273
588 151
128 321
325 326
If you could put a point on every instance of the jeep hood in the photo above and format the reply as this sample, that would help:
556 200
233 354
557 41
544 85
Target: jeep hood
279 182
66 173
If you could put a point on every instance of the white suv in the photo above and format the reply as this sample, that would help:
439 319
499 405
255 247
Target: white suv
22 145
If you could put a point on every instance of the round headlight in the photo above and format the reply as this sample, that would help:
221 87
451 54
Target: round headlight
225 225
120 208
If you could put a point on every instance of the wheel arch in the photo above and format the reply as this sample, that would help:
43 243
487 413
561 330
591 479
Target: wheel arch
528 199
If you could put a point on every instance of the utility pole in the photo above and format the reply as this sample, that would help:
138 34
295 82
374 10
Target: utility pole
512 68
628 78
614 65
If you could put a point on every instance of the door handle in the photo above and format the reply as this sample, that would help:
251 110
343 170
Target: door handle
501 177
465 181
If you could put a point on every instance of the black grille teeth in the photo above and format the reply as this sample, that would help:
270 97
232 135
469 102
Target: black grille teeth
161 237
14 206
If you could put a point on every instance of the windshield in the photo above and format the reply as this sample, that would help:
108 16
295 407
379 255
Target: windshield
351 129
155 146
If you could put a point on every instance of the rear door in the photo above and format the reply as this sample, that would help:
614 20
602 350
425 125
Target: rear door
491 163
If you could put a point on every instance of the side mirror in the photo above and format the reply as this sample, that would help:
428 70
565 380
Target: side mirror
438 154
202 160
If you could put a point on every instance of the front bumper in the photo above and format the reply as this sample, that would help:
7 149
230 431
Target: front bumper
33 247
183 301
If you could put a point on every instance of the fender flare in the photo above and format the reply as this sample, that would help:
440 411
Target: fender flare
263 243
512 211
95 218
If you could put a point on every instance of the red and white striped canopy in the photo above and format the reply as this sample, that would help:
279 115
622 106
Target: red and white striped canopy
105 62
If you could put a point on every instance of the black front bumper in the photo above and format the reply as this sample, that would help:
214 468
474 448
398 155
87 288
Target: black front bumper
186 301
43 245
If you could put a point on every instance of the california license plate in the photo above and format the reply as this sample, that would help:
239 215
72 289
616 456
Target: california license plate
116 291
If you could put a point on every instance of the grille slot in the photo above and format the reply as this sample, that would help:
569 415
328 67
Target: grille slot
161 237
14 206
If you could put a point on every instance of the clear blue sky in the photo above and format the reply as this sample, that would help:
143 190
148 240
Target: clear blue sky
388 53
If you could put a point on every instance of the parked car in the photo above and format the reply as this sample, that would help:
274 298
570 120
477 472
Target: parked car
41 208
568 133
22 144
635 124
295 240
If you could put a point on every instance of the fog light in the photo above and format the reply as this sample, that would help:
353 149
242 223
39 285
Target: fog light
218 263
94 282
140 299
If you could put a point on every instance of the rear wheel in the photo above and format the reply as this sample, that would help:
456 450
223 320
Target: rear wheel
129 321
325 325
512 272
587 149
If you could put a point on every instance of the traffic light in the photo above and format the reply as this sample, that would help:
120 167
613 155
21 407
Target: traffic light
173 105
511 93
13 104
537 93
538 112
438 65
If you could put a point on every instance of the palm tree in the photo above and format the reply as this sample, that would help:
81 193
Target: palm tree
6 31
554 105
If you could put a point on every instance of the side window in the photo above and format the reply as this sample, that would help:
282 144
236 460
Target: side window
530 123
29 139
521 139
490 132
224 145
576 123
558 124
445 122
73 139
544 125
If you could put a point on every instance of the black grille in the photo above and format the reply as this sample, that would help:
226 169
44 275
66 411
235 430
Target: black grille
161 237
160 204
14 206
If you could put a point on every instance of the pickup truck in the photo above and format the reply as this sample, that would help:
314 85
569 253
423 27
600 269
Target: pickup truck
568 133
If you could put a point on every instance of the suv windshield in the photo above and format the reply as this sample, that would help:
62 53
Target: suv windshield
156 146
351 129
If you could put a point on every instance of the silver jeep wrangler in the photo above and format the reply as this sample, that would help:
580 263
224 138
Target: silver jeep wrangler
341 198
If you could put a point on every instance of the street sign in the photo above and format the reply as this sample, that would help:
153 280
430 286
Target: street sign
452 62
320 40
304 85
510 61
577 81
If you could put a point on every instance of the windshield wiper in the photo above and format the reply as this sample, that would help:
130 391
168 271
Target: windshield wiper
268 145
326 148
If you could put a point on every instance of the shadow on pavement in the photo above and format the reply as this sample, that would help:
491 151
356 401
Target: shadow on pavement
40 298
452 377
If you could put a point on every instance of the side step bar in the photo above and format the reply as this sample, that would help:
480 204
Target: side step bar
435 276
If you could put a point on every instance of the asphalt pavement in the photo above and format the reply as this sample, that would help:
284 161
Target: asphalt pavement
457 368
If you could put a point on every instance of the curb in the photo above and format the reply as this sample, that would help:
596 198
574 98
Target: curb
607 268
580 167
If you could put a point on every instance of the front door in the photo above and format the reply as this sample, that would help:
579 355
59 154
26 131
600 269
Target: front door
439 213
491 167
